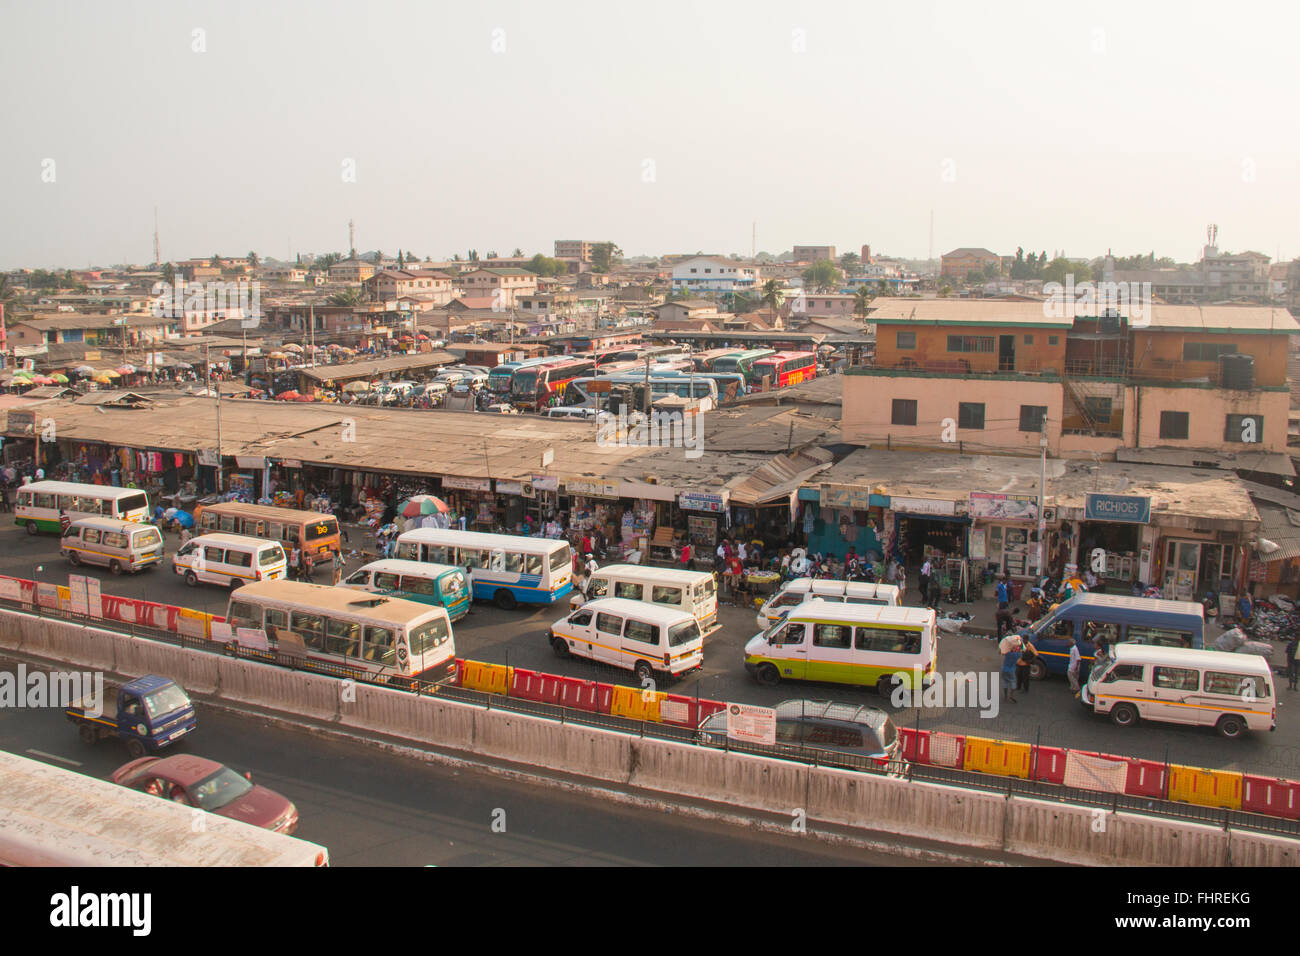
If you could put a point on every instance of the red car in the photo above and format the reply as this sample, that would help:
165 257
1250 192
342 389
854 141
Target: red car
208 785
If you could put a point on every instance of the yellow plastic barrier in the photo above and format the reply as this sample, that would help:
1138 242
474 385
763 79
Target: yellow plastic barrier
489 678
65 598
1208 788
194 623
636 703
1006 758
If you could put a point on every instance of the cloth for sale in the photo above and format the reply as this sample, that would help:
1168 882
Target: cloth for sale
1230 640
1262 648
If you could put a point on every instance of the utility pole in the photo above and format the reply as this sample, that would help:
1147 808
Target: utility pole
1042 498
207 372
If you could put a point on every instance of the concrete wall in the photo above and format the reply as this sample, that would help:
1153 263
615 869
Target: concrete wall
990 821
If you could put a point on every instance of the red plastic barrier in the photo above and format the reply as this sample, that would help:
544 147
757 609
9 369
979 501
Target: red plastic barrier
152 615
916 745
1049 766
604 696
458 673
673 702
1271 795
947 750
578 694
173 618
1146 778
121 609
708 708
530 685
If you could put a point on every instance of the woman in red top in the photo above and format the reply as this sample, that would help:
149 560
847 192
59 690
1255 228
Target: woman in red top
688 557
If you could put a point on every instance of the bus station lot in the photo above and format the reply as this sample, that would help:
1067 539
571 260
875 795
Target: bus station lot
1048 714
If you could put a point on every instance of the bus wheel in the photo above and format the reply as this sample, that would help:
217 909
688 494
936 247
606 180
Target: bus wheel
506 600
561 647
767 675
89 733
115 566
643 672
1038 670
31 527
1230 727
191 579
135 748
236 583
1124 715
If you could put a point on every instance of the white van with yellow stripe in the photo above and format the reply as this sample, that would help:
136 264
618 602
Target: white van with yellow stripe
644 638
229 560
117 545
1232 693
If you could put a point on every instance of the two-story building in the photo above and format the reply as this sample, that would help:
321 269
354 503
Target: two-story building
107 330
427 285
502 286
960 263
351 270
707 274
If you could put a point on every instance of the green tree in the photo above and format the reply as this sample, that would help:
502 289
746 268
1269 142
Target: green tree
773 295
882 287
1060 267
862 302
849 261
351 296
975 277
740 302
8 293
945 290
254 259
604 256
546 266
517 254
473 255
822 276
215 260
400 260
169 273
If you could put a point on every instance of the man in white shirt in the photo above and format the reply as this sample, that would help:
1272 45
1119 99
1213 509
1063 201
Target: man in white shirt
1076 659
926 571
740 551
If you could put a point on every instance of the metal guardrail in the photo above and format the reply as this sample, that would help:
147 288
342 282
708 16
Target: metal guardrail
1010 786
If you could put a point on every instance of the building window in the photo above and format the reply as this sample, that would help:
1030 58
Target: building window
1053 339
970 414
1032 417
1206 351
970 343
1173 425
906 340
904 412
1098 409
1244 428
1029 340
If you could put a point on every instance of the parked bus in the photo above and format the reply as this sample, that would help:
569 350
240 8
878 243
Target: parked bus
680 590
117 545
671 363
502 377
703 361
785 368
580 392
316 535
533 386
372 634
742 362
419 581
38 505
651 351
50 816
505 568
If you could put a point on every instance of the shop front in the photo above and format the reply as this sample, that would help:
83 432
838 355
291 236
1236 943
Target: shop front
471 501
1193 563
705 514
837 517
1004 533
926 528
1113 537
593 510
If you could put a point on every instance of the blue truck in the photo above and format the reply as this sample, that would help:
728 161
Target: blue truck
151 713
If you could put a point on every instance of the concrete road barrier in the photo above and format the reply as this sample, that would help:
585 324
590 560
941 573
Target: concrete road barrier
265 685
588 751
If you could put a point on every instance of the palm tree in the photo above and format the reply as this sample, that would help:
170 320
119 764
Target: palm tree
945 290
169 273
8 293
882 287
861 302
773 295
253 259
517 254
351 296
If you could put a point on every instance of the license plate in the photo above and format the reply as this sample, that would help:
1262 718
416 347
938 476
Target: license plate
178 733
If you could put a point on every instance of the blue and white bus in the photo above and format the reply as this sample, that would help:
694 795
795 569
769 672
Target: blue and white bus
505 568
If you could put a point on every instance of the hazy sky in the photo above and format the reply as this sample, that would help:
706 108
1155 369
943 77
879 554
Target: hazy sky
664 126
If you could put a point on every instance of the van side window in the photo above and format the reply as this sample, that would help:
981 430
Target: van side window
496 561
342 637
413 584
89 535
792 633
228 523
386 581
514 562
609 624
581 618
628 590
1176 678
1095 629
114 540
533 564
361 577
1063 629
1124 672
886 640
838 636
472 559
245 615
641 631
44 500
381 645
666 595
214 555
598 587
240 559
1159 636
277 618
439 554
311 628
209 520
275 531
1236 685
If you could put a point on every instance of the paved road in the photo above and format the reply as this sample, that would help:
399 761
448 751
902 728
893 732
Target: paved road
373 808
1048 714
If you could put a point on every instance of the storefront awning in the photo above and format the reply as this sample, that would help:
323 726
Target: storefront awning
1278 526
1273 463
779 478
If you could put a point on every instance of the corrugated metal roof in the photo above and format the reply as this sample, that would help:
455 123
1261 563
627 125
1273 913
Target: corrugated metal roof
1280 526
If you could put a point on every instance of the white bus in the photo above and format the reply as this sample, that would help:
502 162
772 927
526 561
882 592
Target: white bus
55 817
371 634
39 504
505 568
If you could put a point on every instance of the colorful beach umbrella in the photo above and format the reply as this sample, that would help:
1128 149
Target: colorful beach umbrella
423 505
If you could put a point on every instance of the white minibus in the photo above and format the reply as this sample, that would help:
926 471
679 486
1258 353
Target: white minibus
1232 693
691 591
506 568
635 635
38 506
229 560
117 545
797 590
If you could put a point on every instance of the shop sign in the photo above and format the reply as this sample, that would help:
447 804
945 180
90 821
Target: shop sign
591 488
923 506
467 484
692 501
291 463
247 461
207 456
846 497
509 487
546 483
1008 507
1135 509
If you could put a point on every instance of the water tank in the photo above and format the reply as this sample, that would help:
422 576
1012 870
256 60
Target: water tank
1237 371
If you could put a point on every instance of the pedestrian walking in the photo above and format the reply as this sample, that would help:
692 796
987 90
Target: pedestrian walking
1006 620
337 565
295 560
64 522
935 593
1293 665
1024 664
688 557
1009 648
927 571
1076 660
